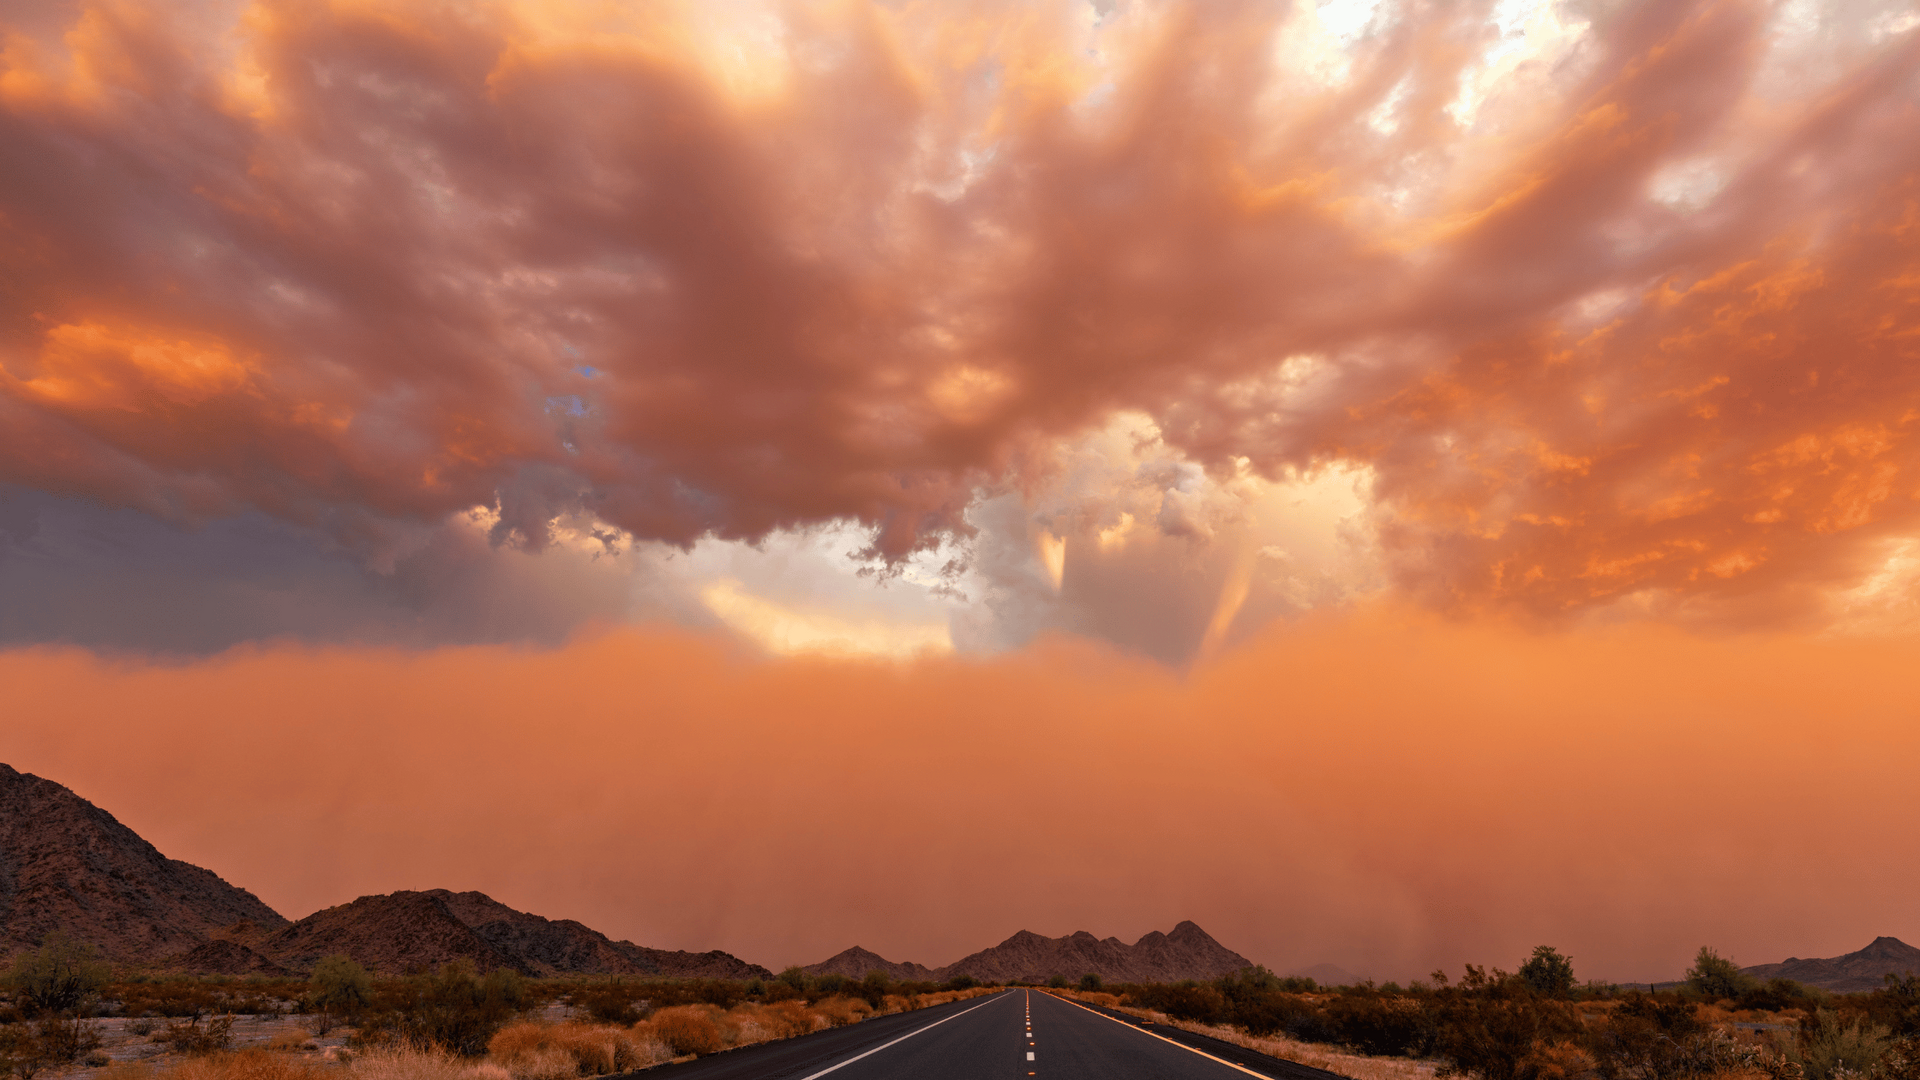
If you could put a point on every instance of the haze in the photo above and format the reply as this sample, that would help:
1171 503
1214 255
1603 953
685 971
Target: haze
1396 484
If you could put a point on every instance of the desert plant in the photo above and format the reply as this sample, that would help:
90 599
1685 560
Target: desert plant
338 990
1377 1024
1490 1025
1825 1048
142 1026
191 1037
611 1002
1644 1038
63 975
687 1029
1715 977
1548 972
1090 982
457 1009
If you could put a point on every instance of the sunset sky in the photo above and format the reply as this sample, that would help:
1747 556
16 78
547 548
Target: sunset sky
1395 482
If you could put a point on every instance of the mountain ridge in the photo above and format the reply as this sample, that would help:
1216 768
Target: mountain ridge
1188 952
1862 969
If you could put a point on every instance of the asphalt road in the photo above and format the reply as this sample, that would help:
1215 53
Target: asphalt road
1015 1035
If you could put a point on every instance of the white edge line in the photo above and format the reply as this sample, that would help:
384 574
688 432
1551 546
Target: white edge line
1162 1038
910 1035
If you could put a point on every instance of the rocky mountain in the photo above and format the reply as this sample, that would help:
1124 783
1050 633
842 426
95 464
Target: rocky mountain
1187 953
1864 969
854 963
66 864
411 931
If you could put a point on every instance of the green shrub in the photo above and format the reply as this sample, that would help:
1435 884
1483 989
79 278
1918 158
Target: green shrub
1090 982
1825 1047
1548 972
1715 977
63 975
340 989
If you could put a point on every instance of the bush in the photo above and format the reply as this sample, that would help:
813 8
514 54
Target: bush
1715 977
454 1009
192 1038
1378 1024
1091 983
339 990
962 982
550 1051
1491 1025
1548 973
1645 1038
63 975
1825 1048
612 1002
687 1029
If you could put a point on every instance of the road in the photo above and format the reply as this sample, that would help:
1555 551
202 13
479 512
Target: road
1015 1035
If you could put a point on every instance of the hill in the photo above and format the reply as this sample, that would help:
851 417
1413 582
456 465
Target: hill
66 864
1864 969
1187 953
410 931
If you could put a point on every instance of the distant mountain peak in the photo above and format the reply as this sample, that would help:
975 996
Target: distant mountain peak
1864 969
1188 953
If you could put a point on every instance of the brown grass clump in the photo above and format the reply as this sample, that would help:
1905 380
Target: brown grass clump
291 1040
532 1051
249 1064
685 1029
408 1065
841 1011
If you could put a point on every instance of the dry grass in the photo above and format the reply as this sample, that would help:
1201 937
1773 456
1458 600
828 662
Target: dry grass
532 1051
541 1051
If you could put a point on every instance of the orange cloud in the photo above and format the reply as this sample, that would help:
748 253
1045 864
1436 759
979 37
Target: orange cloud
1386 792
1565 288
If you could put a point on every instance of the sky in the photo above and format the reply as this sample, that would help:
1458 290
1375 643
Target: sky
1396 483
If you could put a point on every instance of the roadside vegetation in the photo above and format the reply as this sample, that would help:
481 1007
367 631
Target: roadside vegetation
1539 1023
63 1014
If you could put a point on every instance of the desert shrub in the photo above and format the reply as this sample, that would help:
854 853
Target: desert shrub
1826 1047
555 1051
1186 1001
340 989
251 1064
687 1029
1489 1025
1897 1004
1548 972
962 982
455 1009
1642 1038
172 998
612 1002
786 1019
1377 1023
1777 994
192 1037
827 986
142 1026
399 1063
63 975
873 987
1090 982
1058 982
1715 977
841 1011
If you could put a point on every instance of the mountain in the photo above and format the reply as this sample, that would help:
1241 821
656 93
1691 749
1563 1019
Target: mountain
1861 970
66 864
410 931
854 963
1186 953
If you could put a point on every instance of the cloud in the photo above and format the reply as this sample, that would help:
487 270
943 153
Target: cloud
1613 306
